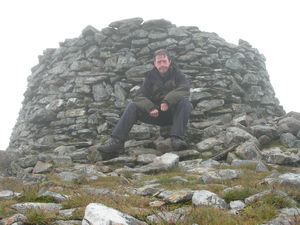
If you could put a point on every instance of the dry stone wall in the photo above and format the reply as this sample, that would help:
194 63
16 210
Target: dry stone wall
77 92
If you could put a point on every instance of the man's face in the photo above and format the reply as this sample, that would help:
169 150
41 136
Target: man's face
162 64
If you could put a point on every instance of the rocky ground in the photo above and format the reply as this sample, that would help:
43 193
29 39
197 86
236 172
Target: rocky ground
152 188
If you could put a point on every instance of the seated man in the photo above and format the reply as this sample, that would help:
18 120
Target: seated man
162 100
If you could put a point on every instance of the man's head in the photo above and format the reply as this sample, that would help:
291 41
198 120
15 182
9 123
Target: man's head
162 61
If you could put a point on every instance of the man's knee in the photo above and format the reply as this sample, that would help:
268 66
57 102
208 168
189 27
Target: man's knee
185 103
131 107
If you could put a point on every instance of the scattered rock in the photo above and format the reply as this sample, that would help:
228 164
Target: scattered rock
290 179
14 219
96 213
24 207
220 175
177 196
8 194
207 198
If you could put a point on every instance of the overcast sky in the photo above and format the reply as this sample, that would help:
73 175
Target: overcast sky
30 26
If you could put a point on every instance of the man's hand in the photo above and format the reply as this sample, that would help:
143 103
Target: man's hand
164 107
154 113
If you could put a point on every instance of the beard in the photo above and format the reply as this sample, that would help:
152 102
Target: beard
163 70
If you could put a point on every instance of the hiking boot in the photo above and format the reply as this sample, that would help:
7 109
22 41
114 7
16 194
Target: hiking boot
178 144
111 149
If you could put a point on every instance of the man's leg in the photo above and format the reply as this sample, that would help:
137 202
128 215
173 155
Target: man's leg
127 120
176 117
131 115
115 145
181 116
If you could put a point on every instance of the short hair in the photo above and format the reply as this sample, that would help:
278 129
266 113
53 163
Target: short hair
162 52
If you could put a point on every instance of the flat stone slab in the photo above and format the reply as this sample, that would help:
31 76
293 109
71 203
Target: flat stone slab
24 207
96 213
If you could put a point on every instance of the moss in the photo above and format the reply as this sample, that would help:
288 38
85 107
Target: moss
273 144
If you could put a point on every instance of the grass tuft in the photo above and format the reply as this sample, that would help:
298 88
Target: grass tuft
40 217
211 216
238 194
31 194
277 201
5 209
292 191
259 212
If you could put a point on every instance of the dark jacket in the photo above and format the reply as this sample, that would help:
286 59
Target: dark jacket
157 89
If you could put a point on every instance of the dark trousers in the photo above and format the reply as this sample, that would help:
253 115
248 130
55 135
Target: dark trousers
176 116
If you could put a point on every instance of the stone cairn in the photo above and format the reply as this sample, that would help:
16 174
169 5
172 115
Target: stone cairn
78 91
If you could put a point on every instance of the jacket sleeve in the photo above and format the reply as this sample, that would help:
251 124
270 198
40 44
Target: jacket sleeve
142 99
181 91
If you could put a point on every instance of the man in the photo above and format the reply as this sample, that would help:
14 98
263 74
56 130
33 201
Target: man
162 100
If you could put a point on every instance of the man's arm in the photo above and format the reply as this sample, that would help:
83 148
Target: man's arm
181 91
142 99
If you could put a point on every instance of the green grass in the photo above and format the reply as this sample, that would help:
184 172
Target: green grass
166 181
238 194
294 193
31 194
204 216
249 179
291 191
246 167
78 214
133 205
277 201
108 182
259 212
11 184
265 208
39 217
5 210
273 144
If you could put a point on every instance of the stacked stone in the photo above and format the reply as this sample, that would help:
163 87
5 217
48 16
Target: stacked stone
77 92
